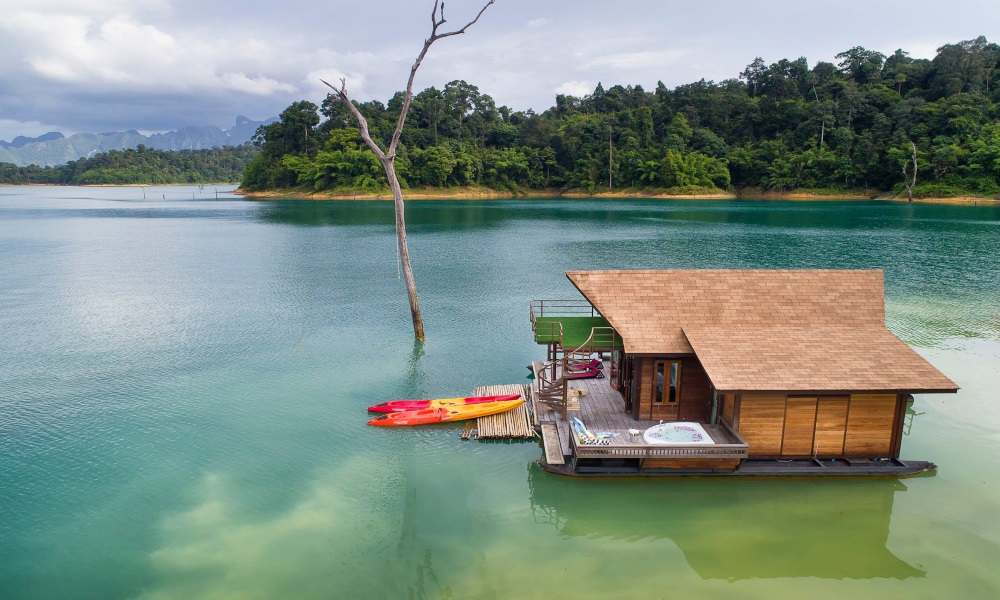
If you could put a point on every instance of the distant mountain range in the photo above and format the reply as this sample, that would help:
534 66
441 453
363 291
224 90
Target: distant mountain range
54 148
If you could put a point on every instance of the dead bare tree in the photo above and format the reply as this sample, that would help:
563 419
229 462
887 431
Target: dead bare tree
388 156
910 184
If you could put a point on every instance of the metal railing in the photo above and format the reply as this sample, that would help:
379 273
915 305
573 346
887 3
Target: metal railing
547 332
601 339
561 308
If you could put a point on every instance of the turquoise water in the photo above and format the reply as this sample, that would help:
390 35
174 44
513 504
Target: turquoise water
183 383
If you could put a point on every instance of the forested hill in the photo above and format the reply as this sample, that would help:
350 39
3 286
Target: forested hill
142 165
778 126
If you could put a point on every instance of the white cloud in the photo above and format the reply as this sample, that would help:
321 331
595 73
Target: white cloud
921 48
160 63
123 53
260 85
638 60
355 83
576 88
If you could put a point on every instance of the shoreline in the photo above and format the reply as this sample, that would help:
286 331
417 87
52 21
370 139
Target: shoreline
489 194
477 193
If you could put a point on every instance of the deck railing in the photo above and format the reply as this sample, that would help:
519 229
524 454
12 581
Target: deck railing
734 447
548 332
720 451
601 338
550 387
562 308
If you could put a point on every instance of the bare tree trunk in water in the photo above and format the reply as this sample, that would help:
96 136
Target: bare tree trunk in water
906 179
388 157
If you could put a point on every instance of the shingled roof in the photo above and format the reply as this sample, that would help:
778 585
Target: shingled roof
815 330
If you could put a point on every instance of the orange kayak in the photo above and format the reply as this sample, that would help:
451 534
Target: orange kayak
409 405
443 415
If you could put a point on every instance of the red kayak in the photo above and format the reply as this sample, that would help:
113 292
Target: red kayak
408 405
443 415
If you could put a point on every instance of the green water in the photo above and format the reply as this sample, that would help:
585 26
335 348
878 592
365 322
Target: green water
183 383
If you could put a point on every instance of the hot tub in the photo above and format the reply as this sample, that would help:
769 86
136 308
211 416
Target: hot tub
678 433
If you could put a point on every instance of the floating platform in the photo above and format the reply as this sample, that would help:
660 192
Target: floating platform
513 424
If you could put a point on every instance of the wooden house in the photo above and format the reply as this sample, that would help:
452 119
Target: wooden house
798 365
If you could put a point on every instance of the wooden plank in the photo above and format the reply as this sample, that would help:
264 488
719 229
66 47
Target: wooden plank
645 396
696 393
515 423
800 426
728 407
869 425
897 426
553 447
831 425
762 423
690 463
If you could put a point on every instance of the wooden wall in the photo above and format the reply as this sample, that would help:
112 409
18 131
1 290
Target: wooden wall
696 392
831 422
869 424
762 423
800 427
782 426
727 410
694 403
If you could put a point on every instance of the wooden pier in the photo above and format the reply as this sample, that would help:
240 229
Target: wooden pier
513 424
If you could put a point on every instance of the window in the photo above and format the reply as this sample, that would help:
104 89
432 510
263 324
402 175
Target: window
668 381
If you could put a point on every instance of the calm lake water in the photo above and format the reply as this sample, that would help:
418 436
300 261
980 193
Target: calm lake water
183 383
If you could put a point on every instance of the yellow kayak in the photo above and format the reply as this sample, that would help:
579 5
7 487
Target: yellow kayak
442 415
410 405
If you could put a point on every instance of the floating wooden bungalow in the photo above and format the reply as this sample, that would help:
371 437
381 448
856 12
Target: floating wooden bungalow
758 372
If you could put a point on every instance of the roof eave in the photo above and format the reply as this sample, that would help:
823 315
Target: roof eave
839 392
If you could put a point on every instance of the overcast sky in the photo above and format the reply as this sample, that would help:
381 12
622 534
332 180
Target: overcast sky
155 65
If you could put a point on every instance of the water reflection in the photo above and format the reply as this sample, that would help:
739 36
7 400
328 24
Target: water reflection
798 216
736 529
416 374
311 213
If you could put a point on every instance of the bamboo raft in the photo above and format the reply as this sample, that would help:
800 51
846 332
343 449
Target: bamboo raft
514 423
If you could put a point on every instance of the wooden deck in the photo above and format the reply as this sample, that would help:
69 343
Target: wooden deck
602 409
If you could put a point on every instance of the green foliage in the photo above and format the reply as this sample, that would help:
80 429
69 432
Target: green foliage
780 126
146 166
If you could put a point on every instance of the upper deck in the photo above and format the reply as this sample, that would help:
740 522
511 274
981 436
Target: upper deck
572 324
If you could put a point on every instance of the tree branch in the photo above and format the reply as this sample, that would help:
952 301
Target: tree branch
438 22
437 19
341 95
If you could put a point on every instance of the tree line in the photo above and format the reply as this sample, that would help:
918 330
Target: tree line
780 126
141 165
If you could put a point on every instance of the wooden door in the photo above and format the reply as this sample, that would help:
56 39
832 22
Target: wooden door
831 427
664 389
626 377
800 427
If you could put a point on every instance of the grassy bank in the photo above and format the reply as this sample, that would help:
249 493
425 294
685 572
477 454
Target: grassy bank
466 193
